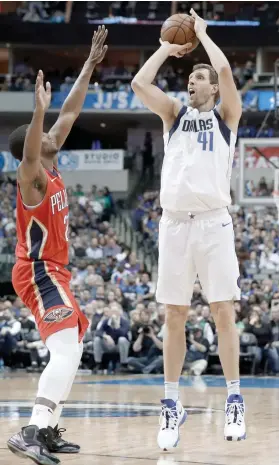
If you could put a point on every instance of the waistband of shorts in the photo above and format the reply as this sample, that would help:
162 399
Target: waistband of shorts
196 216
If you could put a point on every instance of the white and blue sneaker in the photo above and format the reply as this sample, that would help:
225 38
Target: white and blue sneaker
235 429
172 417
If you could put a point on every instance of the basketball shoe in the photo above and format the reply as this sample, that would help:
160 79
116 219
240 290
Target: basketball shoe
56 444
234 423
172 417
31 442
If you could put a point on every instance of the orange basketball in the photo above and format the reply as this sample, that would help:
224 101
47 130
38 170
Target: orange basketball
179 29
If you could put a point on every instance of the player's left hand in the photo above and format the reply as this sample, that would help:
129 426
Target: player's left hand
175 50
200 25
98 49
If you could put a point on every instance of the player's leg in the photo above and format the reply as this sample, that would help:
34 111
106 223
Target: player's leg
62 326
58 444
219 275
34 440
176 276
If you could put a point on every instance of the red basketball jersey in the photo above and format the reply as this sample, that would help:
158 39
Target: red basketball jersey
42 230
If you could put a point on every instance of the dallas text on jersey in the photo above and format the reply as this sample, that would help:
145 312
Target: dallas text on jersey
197 125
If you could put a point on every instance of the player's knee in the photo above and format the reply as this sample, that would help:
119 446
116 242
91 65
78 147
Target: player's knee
176 317
224 315
71 352
64 344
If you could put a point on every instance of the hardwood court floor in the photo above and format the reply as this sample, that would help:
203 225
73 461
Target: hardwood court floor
115 420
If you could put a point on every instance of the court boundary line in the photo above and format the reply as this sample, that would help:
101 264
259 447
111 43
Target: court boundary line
150 459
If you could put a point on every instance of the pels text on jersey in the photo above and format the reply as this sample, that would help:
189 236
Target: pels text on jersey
59 201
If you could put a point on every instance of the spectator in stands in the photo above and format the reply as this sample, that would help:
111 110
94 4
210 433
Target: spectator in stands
239 323
253 263
248 71
269 259
9 333
94 251
147 157
112 335
66 85
193 322
79 248
105 271
198 348
119 275
263 333
111 249
274 347
100 314
207 323
132 264
198 297
151 226
146 288
147 347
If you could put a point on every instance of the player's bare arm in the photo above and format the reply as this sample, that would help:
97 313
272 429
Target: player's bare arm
153 97
30 167
230 107
74 102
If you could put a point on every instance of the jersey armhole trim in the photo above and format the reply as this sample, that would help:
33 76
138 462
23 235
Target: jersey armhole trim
225 131
32 207
177 121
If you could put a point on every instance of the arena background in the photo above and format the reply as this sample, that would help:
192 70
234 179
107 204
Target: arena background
111 165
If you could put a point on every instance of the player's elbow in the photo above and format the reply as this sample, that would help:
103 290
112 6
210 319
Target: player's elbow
225 71
136 84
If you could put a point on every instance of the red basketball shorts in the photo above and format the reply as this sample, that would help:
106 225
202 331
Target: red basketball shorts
45 289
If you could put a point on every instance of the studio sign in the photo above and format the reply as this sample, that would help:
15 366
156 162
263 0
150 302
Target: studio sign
101 157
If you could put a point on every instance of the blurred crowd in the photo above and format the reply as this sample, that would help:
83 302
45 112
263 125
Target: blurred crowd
116 292
261 189
35 12
256 232
115 78
126 11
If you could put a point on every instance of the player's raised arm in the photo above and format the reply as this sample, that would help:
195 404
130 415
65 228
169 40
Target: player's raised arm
153 97
74 102
31 160
230 107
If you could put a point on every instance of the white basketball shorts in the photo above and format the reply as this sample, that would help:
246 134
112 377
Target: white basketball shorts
200 244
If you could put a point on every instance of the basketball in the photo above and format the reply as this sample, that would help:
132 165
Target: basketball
179 29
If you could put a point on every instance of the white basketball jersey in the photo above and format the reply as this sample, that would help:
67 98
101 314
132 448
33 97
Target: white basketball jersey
199 151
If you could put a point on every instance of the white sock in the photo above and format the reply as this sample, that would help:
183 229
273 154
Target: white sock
171 391
233 387
41 416
56 415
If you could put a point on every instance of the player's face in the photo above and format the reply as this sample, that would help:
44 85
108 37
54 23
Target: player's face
49 148
199 88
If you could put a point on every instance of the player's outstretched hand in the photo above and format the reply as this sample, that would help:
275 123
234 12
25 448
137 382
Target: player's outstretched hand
98 49
200 24
42 94
177 51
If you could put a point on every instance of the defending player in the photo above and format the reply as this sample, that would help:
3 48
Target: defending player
39 275
196 231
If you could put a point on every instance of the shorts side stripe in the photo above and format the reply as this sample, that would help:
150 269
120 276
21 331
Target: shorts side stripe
46 291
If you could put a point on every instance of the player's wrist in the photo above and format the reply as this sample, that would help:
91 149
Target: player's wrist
201 35
39 111
166 49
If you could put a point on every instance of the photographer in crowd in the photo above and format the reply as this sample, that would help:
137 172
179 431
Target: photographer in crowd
147 346
197 351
